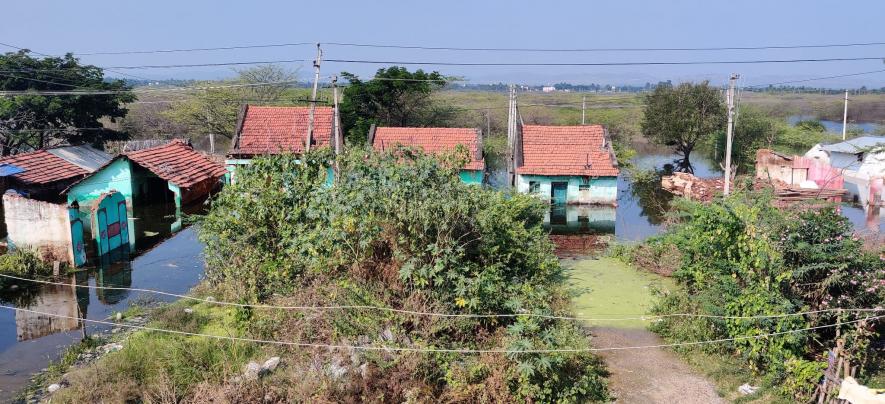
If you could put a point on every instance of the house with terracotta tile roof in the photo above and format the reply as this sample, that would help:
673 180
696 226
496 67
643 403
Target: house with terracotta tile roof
173 172
436 141
268 130
566 164
43 174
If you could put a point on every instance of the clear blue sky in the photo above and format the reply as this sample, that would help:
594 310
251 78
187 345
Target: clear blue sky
114 25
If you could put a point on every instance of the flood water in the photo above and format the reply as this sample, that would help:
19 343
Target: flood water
639 212
28 342
836 126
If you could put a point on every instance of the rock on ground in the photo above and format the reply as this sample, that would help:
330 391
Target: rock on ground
650 375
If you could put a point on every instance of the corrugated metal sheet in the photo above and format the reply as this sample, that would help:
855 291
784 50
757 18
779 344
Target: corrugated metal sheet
854 145
85 157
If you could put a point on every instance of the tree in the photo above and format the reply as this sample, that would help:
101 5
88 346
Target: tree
394 97
752 131
215 110
682 116
38 120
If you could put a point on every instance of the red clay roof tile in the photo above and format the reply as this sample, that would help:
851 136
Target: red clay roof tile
177 163
566 150
433 140
43 167
274 130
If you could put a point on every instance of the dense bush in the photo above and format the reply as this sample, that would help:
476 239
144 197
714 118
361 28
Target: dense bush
23 263
743 257
399 229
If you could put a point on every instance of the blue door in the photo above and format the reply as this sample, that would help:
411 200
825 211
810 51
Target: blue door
559 193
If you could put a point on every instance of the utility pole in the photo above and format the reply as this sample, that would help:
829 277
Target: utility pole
336 121
488 122
583 108
212 143
313 97
511 138
845 117
729 131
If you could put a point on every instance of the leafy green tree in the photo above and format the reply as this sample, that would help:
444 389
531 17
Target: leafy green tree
682 117
752 131
394 97
33 121
215 110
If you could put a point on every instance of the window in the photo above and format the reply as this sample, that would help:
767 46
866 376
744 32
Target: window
584 187
534 187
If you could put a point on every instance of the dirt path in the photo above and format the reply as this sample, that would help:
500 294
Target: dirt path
652 375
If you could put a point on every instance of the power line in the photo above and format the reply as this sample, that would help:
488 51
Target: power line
720 48
437 314
817 78
644 63
53 56
143 52
437 350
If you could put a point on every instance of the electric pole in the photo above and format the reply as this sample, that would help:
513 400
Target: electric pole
845 117
583 108
313 97
488 122
729 131
336 120
511 135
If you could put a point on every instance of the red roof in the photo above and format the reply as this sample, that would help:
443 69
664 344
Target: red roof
43 167
433 140
566 150
177 163
274 130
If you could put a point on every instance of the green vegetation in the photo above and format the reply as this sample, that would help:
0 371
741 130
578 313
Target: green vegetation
609 288
397 230
24 263
682 117
36 121
394 97
743 257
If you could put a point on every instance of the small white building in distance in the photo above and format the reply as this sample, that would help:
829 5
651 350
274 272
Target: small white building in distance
862 162
548 89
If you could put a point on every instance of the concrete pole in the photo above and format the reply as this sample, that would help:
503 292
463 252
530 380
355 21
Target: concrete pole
845 117
729 132
339 140
313 98
583 108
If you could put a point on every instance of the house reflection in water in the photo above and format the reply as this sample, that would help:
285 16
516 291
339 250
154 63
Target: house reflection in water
564 219
63 305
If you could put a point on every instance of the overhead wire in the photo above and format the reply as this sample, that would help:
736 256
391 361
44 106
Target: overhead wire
439 350
435 314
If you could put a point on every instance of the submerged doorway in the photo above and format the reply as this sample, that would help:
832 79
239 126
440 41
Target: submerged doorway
559 193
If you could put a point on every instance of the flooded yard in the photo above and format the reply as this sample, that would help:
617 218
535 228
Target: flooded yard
28 342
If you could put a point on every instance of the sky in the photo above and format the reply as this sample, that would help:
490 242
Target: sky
56 27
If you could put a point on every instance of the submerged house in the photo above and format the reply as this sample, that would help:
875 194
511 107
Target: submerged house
862 164
269 130
566 164
173 172
436 141
35 215
44 174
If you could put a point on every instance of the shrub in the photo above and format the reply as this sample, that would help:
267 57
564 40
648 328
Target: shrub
23 263
741 257
399 229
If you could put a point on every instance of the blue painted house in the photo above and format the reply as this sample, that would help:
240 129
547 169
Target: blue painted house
436 140
566 164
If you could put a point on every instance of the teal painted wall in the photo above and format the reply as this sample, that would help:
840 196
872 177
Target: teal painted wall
471 176
601 190
117 177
